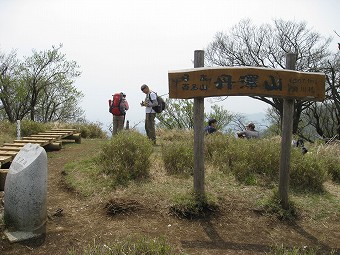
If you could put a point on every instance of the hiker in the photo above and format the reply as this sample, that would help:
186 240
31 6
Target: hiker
118 108
211 128
250 132
149 102
300 144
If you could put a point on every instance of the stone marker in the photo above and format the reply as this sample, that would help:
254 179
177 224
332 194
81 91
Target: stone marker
25 208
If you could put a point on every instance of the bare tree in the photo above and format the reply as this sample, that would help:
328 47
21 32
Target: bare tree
325 116
266 46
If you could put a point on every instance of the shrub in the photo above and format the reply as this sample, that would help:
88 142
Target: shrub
29 127
178 157
252 161
170 135
306 173
126 157
214 145
329 160
332 166
272 205
223 152
89 130
7 132
192 206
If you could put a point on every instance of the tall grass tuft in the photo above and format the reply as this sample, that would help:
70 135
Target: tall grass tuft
89 129
272 205
329 159
251 161
256 162
126 157
7 132
178 157
29 127
306 172
192 206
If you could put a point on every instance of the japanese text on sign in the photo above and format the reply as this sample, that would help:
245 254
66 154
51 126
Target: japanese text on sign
248 81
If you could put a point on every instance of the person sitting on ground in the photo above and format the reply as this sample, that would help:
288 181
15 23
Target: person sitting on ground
250 132
211 128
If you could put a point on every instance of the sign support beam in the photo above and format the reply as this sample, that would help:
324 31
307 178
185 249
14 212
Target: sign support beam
199 134
287 129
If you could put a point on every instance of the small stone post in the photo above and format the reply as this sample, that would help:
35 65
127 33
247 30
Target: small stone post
25 208
18 130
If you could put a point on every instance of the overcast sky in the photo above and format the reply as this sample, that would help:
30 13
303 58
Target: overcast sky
121 44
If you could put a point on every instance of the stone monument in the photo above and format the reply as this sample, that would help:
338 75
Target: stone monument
25 199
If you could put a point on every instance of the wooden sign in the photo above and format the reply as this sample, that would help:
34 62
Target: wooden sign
246 81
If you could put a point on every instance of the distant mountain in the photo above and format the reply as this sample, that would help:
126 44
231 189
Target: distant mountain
259 118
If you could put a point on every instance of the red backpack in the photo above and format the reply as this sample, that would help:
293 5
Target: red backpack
117 106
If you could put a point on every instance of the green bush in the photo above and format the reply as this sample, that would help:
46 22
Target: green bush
126 157
29 127
178 158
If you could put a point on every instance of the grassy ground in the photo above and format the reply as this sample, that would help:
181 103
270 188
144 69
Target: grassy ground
239 226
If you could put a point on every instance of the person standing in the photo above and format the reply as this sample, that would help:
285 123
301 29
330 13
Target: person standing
149 102
118 118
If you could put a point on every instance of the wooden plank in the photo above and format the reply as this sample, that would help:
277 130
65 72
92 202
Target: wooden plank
31 141
61 134
43 135
246 81
39 138
8 153
63 129
9 148
56 136
5 159
14 144
40 142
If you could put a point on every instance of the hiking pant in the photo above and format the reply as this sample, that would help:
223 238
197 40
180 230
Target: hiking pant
150 126
118 123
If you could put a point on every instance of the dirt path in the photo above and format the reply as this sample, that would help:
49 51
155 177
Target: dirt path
74 222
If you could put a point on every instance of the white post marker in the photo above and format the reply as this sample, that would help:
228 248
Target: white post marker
18 130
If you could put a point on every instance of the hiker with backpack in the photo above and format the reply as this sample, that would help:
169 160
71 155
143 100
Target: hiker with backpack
150 114
118 107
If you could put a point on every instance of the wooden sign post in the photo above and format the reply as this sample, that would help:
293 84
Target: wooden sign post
286 139
203 82
198 134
